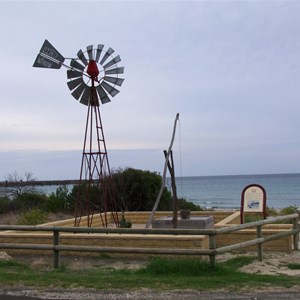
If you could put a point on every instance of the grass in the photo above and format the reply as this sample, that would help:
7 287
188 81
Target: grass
293 266
159 273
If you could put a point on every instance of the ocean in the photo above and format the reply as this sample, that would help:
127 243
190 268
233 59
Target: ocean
224 192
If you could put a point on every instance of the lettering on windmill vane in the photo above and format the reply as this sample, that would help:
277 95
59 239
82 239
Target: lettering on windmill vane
50 52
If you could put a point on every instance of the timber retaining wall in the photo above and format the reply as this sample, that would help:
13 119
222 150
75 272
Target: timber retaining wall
139 219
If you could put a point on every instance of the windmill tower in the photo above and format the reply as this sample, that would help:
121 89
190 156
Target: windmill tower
92 78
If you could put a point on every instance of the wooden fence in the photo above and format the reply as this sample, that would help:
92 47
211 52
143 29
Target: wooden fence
212 251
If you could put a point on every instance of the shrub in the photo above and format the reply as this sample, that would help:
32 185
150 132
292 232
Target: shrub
4 205
271 212
125 223
137 190
252 217
184 204
28 201
289 210
32 217
58 201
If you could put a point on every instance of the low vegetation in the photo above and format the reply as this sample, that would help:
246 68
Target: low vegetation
135 190
159 273
271 212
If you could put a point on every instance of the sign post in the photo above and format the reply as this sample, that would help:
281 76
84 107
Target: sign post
253 200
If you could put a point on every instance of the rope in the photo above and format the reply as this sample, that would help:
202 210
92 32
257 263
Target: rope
180 156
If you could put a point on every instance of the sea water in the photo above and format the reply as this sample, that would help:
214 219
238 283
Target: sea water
225 191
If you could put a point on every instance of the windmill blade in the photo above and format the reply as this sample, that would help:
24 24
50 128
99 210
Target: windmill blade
76 65
112 62
98 52
110 89
73 74
72 84
48 57
109 52
102 94
114 80
90 52
78 91
81 56
84 101
115 71
85 98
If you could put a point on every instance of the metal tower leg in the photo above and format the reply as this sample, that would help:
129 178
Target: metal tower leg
95 195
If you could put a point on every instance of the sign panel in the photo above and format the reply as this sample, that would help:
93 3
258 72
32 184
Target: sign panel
253 200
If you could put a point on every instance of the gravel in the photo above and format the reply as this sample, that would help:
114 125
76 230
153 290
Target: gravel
77 294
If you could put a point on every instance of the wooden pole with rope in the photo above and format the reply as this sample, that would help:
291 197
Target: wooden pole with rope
174 190
164 176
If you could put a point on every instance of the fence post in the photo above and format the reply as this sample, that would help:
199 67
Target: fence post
55 251
259 245
212 246
296 235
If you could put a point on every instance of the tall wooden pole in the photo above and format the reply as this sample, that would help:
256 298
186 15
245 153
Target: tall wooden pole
174 190
164 175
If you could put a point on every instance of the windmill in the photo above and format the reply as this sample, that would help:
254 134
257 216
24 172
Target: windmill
92 78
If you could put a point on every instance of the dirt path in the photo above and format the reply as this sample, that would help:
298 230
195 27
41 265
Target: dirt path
143 294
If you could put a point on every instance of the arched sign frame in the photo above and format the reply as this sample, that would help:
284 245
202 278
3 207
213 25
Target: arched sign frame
256 202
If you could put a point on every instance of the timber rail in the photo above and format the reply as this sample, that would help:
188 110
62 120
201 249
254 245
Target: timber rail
212 251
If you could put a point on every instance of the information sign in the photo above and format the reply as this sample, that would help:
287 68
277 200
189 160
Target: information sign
253 200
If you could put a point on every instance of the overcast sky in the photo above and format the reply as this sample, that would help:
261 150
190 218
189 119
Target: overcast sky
231 69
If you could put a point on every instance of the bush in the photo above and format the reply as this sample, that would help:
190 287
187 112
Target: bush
289 210
271 212
4 205
125 223
184 204
137 190
252 217
29 201
58 201
32 217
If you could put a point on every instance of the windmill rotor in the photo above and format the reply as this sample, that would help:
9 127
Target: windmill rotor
94 67
90 68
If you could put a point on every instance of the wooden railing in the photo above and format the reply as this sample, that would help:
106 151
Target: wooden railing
212 251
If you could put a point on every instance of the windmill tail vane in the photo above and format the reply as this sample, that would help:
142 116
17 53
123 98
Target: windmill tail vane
92 76
49 57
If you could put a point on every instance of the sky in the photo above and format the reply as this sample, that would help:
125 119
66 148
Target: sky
231 69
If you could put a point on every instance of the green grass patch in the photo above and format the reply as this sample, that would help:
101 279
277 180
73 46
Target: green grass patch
293 266
159 273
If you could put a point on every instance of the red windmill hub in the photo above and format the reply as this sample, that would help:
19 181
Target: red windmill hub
93 70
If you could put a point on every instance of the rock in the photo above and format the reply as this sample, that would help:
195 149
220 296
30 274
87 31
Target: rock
5 256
